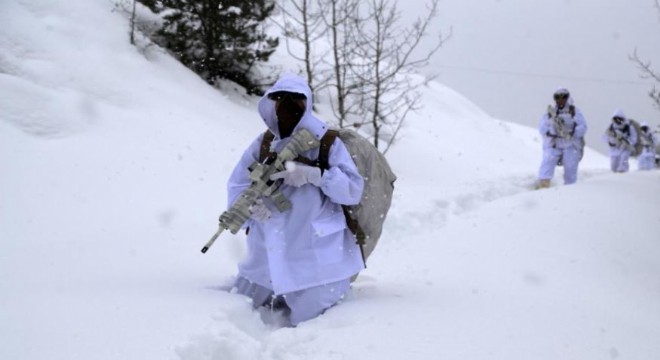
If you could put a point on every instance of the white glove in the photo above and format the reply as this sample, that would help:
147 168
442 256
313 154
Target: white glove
297 174
259 211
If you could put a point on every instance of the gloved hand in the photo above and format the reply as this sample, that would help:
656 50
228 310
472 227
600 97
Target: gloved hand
297 174
259 211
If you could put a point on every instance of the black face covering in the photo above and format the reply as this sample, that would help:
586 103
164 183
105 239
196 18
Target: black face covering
289 112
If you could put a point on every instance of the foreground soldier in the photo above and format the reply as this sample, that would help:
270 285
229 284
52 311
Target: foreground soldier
563 128
301 259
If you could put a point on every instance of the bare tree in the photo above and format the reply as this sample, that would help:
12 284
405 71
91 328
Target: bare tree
132 36
339 18
371 64
122 6
302 21
647 72
388 61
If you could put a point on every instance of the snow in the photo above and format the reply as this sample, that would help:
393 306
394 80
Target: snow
114 161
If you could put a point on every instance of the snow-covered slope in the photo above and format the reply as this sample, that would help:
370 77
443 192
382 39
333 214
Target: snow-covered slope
113 163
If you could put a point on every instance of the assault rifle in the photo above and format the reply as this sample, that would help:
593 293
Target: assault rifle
617 137
560 125
262 186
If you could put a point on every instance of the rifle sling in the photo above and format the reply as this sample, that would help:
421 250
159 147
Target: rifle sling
265 153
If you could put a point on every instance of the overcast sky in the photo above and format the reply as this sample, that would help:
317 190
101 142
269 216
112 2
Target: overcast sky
508 56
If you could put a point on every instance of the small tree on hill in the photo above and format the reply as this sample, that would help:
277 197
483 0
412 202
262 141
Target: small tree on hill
302 22
647 72
387 52
218 39
369 62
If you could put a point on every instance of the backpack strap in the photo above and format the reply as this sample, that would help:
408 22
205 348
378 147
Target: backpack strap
571 110
323 162
324 151
264 150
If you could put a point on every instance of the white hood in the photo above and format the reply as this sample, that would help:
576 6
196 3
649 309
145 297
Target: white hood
296 84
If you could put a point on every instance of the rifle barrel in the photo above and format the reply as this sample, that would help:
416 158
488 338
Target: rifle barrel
212 240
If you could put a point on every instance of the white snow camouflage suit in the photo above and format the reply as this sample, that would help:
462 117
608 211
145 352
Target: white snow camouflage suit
307 254
556 147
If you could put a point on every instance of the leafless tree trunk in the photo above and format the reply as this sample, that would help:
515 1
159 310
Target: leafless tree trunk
647 72
301 21
386 72
370 66
338 18
133 24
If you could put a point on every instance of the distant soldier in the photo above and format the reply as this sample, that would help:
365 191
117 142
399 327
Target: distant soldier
649 141
621 137
563 128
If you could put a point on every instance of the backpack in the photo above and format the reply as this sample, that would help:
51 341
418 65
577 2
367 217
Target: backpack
365 220
637 146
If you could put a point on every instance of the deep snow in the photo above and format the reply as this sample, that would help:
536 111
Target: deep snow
113 164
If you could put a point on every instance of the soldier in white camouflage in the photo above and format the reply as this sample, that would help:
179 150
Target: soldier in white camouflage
563 128
649 141
621 138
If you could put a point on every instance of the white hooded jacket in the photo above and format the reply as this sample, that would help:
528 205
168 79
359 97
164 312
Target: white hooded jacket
648 139
620 137
310 244
575 124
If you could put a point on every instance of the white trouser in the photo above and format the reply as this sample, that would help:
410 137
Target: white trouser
619 161
570 159
303 304
646 160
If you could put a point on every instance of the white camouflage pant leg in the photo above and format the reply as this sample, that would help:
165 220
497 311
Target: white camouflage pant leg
304 304
548 164
309 303
646 161
619 162
260 295
571 160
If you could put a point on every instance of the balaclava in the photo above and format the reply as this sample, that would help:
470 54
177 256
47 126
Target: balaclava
289 112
